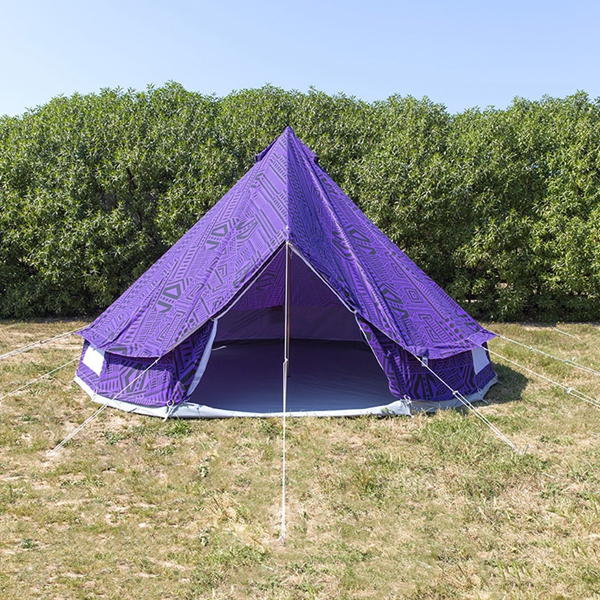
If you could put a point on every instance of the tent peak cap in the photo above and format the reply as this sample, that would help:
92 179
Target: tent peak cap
286 135
287 139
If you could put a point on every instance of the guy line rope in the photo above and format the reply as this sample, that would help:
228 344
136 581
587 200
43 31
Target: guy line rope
37 379
572 363
33 345
571 391
474 410
95 414
22 387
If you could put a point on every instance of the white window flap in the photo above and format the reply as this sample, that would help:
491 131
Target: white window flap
480 359
94 359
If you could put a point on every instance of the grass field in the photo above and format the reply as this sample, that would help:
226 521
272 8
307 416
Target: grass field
428 507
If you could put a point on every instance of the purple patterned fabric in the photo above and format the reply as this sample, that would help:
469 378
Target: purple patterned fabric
409 379
131 380
285 196
230 266
316 313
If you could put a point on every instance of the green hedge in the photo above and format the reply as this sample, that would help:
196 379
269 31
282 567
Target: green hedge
499 206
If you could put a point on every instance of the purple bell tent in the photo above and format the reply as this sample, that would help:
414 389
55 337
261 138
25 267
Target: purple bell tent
284 266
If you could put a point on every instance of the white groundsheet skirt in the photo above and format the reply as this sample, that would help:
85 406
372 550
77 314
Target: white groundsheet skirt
326 379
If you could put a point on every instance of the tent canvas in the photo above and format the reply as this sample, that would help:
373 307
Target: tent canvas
221 289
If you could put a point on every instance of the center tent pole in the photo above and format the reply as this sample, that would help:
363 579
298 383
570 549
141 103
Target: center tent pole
286 368
288 302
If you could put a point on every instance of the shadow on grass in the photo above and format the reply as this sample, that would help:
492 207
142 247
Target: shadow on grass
509 388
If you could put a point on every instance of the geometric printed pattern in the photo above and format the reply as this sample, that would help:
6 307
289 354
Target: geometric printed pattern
409 379
285 196
167 382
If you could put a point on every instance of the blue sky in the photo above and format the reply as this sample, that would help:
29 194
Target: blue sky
457 52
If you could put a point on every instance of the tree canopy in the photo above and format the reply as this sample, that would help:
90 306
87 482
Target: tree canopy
500 207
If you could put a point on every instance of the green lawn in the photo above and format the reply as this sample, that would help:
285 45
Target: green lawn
429 507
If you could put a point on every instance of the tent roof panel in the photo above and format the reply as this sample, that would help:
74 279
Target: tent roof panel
286 195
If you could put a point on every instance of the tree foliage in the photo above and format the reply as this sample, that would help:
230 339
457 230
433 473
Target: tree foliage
501 207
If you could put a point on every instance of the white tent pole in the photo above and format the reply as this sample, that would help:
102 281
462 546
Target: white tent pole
288 302
286 367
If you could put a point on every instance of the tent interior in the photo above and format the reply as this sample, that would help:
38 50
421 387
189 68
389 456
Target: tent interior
332 368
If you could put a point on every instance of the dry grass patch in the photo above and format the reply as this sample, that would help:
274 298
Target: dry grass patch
429 507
